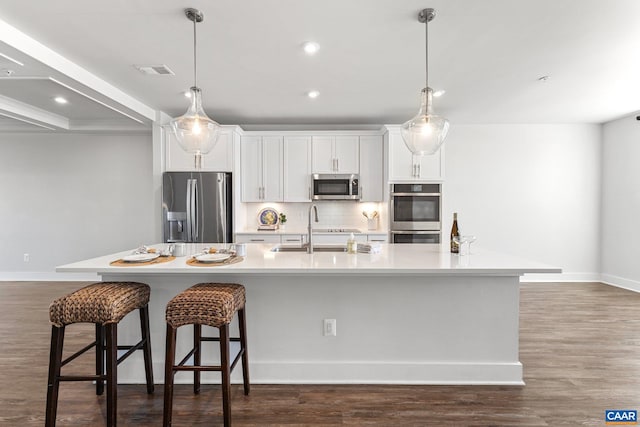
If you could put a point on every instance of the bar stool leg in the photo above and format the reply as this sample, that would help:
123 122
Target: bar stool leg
55 364
226 374
197 356
111 330
170 355
99 358
243 345
146 348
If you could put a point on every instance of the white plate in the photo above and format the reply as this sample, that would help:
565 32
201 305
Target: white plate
212 257
140 257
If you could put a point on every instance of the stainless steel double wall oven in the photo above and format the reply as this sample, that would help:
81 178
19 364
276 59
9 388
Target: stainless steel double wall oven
415 213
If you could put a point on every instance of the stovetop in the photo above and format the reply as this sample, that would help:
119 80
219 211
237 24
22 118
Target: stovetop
336 230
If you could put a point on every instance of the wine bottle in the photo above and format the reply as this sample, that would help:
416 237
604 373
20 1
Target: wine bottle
455 247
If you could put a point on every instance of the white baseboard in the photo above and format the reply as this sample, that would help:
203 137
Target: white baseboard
562 277
318 372
621 282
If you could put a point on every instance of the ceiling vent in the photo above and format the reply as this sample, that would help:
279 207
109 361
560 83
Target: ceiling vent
155 70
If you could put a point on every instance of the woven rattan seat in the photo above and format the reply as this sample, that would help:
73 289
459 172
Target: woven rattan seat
206 304
104 302
211 304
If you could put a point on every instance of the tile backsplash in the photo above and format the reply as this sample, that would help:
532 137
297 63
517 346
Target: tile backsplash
331 214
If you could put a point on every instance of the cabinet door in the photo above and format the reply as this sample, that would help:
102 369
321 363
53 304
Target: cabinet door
251 168
220 159
347 154
297 169
322 154
272 168
371 169
430 167
406 167
401 164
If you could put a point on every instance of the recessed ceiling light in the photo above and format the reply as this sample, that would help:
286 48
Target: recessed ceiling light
60 100
310 48
439 93
543 79
313 94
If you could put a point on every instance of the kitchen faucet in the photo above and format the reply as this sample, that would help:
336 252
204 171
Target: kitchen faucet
310 238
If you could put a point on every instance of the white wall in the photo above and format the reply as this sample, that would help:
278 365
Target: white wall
530 190
621 203
68 197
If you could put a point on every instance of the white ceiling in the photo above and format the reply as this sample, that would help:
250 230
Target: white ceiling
486 54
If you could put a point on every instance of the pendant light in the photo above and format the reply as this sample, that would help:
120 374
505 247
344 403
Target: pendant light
425 133
195 131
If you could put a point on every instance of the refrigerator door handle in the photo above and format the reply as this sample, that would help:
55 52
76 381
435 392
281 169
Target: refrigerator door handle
194 209
189 211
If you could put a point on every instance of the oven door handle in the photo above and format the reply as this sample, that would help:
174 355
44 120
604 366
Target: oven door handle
415 194
414 232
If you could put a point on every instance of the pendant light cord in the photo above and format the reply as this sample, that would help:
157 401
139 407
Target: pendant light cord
426 55
195 68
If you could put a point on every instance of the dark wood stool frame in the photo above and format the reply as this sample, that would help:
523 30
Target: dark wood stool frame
225 368
108 332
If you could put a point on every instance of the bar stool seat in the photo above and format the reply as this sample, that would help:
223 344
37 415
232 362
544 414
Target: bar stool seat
105 304
215 305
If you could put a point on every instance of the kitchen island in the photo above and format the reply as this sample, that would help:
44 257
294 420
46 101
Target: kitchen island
411 314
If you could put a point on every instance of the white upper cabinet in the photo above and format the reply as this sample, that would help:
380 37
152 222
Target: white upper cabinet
404 166
335 154
297 169
371 169
220 159
261 168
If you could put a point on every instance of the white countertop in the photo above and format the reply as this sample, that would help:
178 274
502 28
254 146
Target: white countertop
398 259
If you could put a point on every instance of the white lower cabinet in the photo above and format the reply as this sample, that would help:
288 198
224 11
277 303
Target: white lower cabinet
258 238
379 237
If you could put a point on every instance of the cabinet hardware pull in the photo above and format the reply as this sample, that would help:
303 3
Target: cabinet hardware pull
257 240
419 170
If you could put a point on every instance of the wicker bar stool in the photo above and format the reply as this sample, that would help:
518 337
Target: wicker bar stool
211 304
105 304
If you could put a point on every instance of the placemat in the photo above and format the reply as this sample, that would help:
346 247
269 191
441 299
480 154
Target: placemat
233 260
159 260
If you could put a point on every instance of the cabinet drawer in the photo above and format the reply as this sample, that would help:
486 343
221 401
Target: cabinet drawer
257 238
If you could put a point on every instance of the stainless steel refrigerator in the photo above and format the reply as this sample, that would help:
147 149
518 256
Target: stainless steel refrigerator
196 207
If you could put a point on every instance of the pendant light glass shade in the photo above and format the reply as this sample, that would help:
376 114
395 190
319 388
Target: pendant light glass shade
195 131
425 133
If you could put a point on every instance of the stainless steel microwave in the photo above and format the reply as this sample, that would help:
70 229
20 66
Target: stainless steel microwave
336 187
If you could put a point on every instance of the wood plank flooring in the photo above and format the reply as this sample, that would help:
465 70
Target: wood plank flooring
580 346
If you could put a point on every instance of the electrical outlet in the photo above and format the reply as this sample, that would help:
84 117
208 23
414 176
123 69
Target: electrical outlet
26 258
329 329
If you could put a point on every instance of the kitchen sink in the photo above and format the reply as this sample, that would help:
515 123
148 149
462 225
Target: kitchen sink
316 248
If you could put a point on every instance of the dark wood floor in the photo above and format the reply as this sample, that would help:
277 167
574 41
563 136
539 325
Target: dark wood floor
580 346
